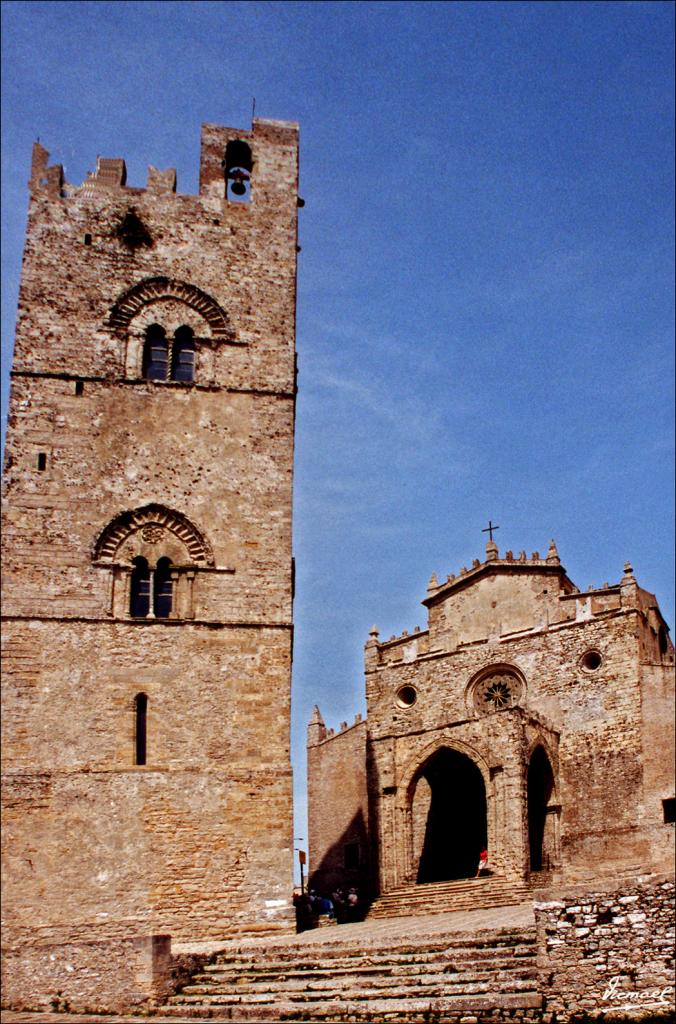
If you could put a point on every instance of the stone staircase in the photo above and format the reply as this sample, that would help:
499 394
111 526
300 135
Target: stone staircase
441 977
442 897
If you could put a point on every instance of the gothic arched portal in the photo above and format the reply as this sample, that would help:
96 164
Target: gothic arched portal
448 814
540 790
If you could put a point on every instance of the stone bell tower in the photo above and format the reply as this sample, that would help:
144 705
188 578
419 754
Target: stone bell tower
147 550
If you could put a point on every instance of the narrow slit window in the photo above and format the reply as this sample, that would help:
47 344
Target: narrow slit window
139 604
141 728
155 354
42 462
162 589
79 387
183 355
87 239
669 811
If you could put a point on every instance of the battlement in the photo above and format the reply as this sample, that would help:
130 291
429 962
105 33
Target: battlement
504 597
509 563
233 162
318 733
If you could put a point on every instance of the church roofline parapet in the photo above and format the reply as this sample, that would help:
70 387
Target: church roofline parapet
606 588
403 638
555 627
506 638
494 566
318 734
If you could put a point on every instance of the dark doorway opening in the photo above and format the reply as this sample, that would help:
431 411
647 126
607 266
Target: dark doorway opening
540 789
455 827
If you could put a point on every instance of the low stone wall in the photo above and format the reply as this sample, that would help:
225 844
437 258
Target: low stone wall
609 952
83 970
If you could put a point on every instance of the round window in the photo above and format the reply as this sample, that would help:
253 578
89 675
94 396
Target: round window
407 696
591 661
497 691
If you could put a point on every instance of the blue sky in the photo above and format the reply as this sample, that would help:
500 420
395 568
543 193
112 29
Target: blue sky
485 305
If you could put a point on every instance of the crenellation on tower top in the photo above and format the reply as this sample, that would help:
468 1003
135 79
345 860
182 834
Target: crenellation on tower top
161 181
44 177
263 166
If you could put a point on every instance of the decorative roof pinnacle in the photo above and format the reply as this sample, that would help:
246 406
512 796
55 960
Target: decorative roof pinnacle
553 554
316 716
628 577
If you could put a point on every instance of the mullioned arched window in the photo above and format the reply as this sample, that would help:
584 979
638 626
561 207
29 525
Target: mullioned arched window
155 555
170 331
169 358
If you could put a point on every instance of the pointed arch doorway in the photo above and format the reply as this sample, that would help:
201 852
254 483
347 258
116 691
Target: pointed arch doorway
448 817
541 822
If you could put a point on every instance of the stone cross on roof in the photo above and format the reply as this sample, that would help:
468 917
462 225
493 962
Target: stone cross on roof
489 529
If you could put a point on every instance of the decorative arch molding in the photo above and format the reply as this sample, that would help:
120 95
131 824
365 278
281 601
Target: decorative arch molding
403 869
416 764
150 517
504 674
155 289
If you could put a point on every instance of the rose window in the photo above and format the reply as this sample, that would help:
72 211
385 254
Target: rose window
496 692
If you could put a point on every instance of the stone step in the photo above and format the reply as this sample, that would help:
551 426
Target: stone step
368 976
475 888
365 979
491 1007
440 964
462 883
418 908
442 897
366 958
383 989
343 944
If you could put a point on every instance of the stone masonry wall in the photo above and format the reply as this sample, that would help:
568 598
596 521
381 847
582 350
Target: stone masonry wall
81 970
197 841
338 808
606 814
608 951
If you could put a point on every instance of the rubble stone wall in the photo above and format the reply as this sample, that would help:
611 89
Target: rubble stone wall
338 809
82 970
605 951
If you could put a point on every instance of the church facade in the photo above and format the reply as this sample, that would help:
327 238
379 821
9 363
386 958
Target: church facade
529 719
148 576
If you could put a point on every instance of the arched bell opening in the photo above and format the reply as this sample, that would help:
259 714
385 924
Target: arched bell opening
541 830
448 817
238 164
